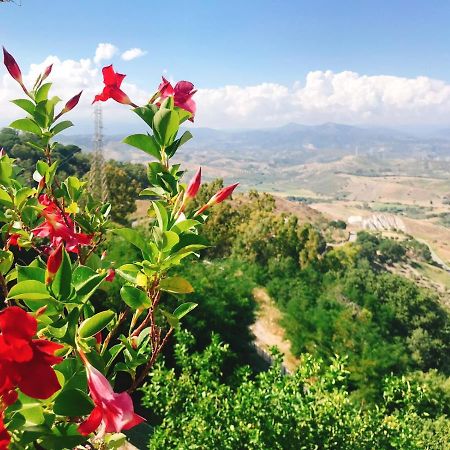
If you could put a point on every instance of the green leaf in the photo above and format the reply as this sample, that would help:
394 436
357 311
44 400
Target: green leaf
173 320
42 92
161 215
184 309
185 225
132 274
183 114
86 281
25 273
61 126
72 403
29 290
176 285
22 195
6 261
32 410
165 126
186 136
134 298
169 240
153 191
27 125
40 115
96 323
61 285
5 199
144 142
146 113
133 237
25 104
6 171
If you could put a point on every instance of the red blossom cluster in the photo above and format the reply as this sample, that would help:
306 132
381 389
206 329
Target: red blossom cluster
182 95
25 363
59 227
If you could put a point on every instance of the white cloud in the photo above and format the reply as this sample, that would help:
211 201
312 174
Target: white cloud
133 53
323 96
70 77
345 97
104 51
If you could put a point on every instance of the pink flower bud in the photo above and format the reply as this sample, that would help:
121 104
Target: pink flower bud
40 311
13 240
111 275
72 102
98 337
12 66
47 72
219 197
103 255
2 153
53 263
194 185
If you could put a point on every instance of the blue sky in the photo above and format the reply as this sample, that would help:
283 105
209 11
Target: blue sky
242 43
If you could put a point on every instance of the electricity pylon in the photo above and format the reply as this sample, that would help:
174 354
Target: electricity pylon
98 185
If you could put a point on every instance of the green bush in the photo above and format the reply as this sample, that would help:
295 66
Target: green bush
310 409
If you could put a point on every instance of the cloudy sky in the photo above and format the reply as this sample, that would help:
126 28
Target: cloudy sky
256 63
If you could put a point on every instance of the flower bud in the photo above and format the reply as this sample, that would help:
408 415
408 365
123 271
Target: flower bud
53 263
194 185
219 197
2 153
98 337
111 275
72 103
13 240
40 311
12 66
192 189
47 72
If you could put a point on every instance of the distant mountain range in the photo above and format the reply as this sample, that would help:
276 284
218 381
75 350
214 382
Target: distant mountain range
293 144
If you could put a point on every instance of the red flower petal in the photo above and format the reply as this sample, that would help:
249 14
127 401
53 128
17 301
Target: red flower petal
92 422
17 323
46 350
165 89
38 379
5 438
109 76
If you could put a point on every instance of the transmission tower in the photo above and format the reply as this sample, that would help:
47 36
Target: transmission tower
98 185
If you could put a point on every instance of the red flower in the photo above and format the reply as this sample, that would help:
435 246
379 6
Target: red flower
219 197
59 227
13 240
53 263
111 275
182 95
112 412
112 89
5 438
25 362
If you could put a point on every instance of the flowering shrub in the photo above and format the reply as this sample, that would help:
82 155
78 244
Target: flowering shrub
60 353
